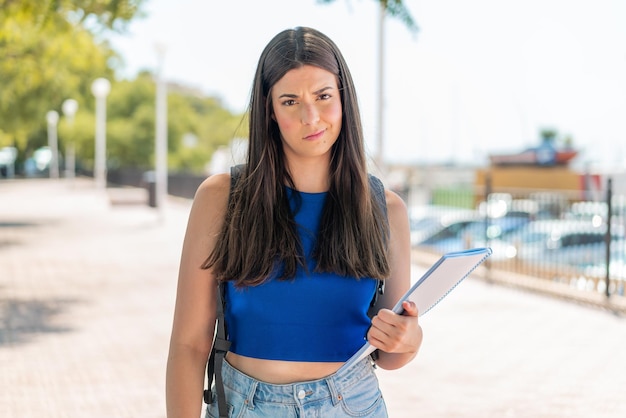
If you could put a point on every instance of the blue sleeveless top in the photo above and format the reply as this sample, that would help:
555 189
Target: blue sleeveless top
316 317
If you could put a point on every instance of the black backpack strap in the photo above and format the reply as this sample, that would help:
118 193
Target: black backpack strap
378 191
220 348
221 345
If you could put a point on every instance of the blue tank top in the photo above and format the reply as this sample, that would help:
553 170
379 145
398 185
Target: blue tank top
316 317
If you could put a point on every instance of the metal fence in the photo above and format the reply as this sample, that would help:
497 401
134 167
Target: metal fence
557 235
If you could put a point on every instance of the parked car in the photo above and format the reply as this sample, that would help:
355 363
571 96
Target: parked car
465 234
427 220
38 165
560 241
8 156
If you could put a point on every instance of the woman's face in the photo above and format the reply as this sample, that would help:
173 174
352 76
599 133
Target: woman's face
306 106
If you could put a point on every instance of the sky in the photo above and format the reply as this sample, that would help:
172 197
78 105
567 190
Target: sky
480 77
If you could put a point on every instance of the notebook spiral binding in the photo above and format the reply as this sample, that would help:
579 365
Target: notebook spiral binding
487 254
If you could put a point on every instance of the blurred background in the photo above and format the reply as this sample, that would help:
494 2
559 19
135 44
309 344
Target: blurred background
500 123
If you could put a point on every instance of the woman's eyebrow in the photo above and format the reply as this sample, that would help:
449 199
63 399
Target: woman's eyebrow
288 95
295 96
323 89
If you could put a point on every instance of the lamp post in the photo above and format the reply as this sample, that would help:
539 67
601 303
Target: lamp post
52 117
380 114
70 106
100 89
161 133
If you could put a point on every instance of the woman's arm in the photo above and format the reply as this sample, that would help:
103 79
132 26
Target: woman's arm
195 310
398 337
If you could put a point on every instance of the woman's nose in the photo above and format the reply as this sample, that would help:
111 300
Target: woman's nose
310 114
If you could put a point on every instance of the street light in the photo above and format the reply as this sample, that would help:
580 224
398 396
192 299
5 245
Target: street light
100 89
70 106
52 117
161 132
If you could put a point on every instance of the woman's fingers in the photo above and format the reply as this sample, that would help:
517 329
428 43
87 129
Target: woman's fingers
396 333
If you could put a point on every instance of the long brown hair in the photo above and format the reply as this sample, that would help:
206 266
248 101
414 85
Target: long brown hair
259 236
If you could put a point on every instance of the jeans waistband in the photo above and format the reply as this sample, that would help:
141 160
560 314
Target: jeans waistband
300 392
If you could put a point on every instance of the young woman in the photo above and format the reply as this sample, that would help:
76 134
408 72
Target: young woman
298 242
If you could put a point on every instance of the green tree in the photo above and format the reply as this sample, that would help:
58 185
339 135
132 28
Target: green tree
131 127
548 135
50 51
396 9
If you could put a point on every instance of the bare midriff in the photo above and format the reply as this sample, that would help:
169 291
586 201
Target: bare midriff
281 372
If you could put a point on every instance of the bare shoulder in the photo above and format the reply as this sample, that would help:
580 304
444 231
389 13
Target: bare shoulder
211 200
213 191
396 208
215 186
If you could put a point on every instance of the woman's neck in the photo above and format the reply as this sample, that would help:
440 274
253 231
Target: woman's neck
310 177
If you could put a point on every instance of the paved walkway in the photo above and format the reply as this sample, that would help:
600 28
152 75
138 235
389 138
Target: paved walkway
87 283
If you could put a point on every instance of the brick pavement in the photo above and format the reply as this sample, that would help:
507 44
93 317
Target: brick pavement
86 297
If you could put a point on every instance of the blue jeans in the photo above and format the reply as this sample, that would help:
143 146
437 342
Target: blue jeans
351 393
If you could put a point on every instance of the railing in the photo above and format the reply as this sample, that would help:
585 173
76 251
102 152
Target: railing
557 236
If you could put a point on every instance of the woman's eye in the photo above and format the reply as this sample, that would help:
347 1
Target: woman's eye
324 96
289 102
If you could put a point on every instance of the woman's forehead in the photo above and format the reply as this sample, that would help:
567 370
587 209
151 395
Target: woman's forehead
306 78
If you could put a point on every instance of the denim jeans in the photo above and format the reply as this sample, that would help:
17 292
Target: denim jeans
350 393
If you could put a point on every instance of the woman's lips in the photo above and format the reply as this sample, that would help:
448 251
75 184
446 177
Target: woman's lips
315 135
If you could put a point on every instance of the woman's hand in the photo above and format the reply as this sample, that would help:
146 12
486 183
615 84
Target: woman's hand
396 334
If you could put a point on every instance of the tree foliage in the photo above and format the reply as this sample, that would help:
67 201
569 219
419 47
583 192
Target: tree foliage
50 52
111 14
53 50
131 126
396 9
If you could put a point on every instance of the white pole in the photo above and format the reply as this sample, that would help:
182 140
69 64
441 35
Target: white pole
70 106
52 117
380 129
161 134
100 89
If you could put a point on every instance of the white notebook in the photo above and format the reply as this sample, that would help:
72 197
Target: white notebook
432 287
